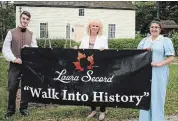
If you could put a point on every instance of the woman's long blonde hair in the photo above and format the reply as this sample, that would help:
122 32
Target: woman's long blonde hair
100 31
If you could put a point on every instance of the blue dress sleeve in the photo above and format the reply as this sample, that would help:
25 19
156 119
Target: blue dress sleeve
141 44
168 47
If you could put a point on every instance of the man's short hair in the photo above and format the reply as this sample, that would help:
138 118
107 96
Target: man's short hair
25 13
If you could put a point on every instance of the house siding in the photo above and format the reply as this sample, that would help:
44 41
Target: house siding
57 19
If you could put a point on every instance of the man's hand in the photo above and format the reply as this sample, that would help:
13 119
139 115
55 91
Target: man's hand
18 61
25 46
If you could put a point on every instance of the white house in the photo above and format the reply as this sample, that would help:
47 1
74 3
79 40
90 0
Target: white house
68 19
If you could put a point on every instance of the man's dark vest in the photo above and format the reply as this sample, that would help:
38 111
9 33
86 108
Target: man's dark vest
19 39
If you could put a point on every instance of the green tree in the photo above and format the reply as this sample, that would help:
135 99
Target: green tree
7 18
145 13
169 10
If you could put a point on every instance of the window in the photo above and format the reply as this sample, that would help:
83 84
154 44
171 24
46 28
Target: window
43 30
81 12
111 31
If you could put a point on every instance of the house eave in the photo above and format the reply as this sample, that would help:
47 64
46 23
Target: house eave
69 6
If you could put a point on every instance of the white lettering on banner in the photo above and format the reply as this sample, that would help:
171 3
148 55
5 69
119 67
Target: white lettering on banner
66 79
104 97
36 92
74 97
95 79
97 96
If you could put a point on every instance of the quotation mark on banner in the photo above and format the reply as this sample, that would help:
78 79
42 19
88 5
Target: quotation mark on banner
26 88
146 94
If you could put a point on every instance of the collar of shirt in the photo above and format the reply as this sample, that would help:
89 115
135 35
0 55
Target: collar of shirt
157 39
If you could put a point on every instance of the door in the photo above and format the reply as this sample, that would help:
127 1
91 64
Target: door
68 31
79 32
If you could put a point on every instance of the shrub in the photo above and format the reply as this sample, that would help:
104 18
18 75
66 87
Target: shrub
113 43
56 43
124 43
63 43
175 42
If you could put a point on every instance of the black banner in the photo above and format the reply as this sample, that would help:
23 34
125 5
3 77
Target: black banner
115 78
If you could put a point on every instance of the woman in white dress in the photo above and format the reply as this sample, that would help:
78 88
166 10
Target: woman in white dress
95 40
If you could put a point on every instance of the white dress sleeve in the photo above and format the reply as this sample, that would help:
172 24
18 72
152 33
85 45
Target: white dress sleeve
168 47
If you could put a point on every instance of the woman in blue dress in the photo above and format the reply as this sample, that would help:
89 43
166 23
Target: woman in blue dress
162 54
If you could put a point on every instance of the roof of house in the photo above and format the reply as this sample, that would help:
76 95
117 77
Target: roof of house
168 24
126 5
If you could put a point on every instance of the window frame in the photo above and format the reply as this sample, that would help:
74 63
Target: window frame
111 31
81 12
45 30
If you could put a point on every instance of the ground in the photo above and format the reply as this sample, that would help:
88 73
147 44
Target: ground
43 112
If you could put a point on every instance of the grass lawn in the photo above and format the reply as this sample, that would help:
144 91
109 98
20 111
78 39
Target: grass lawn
79 113
176 60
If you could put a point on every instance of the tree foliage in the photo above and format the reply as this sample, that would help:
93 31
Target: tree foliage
7 18
145 13
169 10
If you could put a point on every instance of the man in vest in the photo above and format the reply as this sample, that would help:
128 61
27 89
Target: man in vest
16 39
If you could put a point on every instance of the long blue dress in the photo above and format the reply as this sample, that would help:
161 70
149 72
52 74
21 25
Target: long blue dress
161 47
